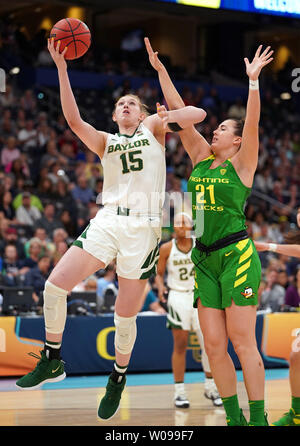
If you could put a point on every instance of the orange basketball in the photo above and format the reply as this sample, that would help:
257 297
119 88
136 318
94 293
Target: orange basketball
74 34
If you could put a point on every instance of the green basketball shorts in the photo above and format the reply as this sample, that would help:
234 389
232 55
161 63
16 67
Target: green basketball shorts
230 273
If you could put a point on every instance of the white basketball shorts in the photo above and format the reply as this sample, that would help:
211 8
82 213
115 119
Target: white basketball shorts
132 241
181 313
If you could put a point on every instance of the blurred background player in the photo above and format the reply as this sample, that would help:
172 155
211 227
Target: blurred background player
292 248
175 257
133 163
227 266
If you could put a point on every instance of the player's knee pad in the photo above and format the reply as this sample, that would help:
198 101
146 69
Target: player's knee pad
125 334
55 308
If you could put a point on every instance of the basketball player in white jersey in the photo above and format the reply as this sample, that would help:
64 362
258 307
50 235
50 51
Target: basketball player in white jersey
127 228
175 257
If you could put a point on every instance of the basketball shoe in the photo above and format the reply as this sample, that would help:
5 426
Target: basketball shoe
111 401
233 422
211 392
180 399
289 419
46 371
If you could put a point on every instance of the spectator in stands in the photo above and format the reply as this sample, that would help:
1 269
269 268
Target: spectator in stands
61 249
69 223
91 283
82 193
273 295
237 110
108 278
40 234
19 168
283 278
6 206
12 267
10 151
151 302
64 199
7 98
27 136
35 250
51 154
27 214
37 276
48 220
45 190
10 236
292 295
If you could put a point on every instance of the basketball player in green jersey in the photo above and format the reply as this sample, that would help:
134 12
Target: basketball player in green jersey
227 266
291 248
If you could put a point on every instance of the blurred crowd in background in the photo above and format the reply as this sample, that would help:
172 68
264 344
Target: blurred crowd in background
49 181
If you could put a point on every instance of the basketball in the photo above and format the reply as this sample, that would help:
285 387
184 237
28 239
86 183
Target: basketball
74 34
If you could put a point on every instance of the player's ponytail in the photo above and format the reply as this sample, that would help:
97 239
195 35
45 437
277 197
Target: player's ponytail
239 126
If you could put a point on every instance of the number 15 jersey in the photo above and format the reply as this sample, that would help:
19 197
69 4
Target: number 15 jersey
134 171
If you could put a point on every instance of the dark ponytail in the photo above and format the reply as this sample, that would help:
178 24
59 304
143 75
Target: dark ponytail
239 126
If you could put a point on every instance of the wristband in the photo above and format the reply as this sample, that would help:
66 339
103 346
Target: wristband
174 126
272 247
253 85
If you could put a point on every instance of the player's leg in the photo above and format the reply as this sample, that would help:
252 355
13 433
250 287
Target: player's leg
128 303
240 322
239 282
74 266
136 259
180 342
210 389
213 326
292 418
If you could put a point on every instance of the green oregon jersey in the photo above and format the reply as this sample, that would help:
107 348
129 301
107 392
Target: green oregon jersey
218 200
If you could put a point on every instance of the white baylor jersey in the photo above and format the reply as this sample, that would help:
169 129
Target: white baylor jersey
180 269
134 171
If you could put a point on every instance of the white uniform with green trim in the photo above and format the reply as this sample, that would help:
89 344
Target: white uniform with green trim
128 227
180 281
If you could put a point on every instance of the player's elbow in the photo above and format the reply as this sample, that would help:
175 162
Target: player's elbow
194 115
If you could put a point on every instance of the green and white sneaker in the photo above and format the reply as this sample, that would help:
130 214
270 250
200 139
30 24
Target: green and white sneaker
46 371
233 422
289 419
110 403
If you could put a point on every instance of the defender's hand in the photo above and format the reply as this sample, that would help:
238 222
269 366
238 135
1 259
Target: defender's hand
153 56
259 61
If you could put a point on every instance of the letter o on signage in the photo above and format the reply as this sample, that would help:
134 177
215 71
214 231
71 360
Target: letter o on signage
101 343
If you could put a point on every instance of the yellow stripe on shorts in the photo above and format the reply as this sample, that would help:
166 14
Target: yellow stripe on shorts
242 244
246 254
240 280
243 268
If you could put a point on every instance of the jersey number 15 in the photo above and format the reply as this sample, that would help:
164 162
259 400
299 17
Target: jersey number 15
130 162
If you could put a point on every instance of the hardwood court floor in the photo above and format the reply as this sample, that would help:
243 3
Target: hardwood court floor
141 405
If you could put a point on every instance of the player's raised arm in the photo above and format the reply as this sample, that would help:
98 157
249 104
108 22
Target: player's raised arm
194 143
247 156
92 138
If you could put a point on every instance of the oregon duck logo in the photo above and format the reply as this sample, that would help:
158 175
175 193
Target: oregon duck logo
248 292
